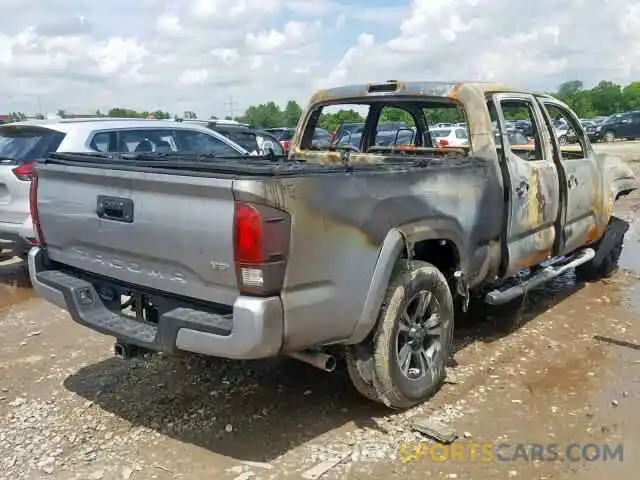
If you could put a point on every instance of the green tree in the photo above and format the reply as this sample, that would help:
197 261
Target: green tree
129 113
395 115
292 113
606 98
631 96
265 115
331 121
118 112
570 88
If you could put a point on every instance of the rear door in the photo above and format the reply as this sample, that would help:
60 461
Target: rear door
624 126
582 217
533 184
20 146
635 125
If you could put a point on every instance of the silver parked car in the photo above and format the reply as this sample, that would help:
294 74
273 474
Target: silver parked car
22 143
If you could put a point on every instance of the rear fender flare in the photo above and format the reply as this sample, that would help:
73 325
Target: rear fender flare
618 177
397 241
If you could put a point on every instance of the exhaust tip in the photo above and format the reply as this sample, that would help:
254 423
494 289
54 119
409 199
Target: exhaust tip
119 350
331 364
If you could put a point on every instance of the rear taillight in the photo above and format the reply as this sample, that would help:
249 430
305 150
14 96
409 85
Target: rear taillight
442 142
24 172
285 145
261 244
33 207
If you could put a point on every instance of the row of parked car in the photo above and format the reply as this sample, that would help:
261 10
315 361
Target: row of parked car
620 126
21 143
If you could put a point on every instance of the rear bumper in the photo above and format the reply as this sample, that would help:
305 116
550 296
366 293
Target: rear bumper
253 329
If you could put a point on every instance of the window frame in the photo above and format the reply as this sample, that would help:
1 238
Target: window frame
538 118
166 130
573 121
420 104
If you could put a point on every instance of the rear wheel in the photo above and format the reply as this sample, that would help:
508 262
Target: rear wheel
413 339
609 136
563 140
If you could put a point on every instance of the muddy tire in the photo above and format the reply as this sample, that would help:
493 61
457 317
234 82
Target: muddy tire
609 265
414 334
609 136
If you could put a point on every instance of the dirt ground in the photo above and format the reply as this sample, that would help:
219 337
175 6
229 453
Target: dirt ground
563 368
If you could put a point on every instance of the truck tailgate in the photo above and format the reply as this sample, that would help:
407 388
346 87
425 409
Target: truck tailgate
167 232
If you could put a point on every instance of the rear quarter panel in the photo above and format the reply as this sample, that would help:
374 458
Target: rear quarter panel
340 222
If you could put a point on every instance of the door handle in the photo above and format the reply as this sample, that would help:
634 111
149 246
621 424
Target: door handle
115 208
522 188
572 181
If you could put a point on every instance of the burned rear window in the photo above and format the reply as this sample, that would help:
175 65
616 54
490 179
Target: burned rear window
379 125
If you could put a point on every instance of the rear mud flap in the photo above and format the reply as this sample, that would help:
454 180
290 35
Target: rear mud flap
615 233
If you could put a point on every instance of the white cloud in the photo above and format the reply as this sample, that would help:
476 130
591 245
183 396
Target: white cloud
537 45
168 23
225 55
193 77
82 55
117 54
256 62
220 10
293 35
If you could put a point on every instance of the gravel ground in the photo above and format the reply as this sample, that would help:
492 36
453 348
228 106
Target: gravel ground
562 367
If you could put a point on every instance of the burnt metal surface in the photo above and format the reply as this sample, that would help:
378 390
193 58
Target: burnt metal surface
343 222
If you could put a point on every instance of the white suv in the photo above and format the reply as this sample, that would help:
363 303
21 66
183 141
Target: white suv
22 143
450 137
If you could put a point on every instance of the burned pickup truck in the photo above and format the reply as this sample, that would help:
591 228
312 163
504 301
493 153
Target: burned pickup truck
357 252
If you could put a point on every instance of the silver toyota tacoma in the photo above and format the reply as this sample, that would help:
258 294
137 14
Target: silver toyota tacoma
362 252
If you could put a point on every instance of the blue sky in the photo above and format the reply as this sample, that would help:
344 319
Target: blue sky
81 55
